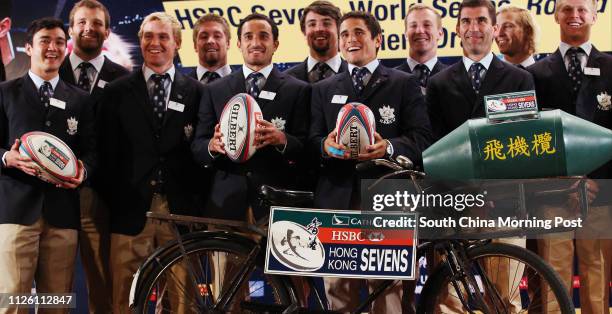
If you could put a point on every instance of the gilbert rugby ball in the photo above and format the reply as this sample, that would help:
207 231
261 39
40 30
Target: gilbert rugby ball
356 127
55 159
238 121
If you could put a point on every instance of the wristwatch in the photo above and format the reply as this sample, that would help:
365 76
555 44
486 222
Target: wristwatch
389 151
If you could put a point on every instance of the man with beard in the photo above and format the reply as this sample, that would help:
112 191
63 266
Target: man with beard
457 94
211 38
90 70
423 31
577 78
516 36
319 24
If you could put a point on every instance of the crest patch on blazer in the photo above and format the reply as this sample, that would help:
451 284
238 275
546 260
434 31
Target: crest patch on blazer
188 131
387 114
279 123
73 125
605 101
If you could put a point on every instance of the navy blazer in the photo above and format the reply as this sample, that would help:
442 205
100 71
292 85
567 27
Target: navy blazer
134 146
232 192
451 100
553 90
26 198
401 117
300 70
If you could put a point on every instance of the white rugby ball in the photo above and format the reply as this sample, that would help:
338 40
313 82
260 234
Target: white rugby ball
356 127
238 121
55 159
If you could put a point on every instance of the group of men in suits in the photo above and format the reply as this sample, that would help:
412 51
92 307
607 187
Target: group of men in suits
144 137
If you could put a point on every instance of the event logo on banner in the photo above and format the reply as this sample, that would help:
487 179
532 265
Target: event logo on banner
390 14
348 244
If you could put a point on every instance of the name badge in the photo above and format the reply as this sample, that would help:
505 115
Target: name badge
102 83
592 71
176 106
57 103
339 99
267 95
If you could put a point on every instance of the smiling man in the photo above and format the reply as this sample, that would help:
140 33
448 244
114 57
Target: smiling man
147 120
211 39
39 221
402 129
516 36
423 31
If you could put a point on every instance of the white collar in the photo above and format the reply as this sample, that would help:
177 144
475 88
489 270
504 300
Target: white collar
265 71
97 62
587 47
486 61
431 63
525 63
222 71
370 66
148 72
38 81
334 63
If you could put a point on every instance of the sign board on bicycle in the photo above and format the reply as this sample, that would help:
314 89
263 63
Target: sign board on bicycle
347 244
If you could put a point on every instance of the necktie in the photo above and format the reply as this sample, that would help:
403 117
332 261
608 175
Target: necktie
575 70
422 72
253 80
84 81
477 72
45 92
158 98
358 76
320 71
209 77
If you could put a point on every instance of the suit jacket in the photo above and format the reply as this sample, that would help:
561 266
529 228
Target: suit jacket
300 70
26 198
451 100
234 184
401 117
134 147
553 90
437 68
109 72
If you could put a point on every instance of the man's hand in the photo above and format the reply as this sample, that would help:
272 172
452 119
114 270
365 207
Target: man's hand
73 183
330 144
15 160
267 134
216 144
377 150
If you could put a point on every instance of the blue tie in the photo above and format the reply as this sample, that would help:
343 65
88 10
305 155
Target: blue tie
45 92
252 81
159 95
477 72
357 76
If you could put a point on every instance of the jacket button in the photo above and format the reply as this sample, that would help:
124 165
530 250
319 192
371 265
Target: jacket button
153 182
248 174
48 123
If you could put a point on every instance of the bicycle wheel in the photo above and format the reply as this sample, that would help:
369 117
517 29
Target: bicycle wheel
509 279
210 272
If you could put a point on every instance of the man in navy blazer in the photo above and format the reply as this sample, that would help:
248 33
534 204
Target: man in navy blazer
211 38
402 129
577 78
284 103
87 68
423 31
39 221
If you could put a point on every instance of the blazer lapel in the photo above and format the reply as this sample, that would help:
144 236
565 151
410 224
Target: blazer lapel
105 75
237 83
494 75
66 71
30 94
557 67
378 79
273 83
463 85
141 97
177 94
345 86
584 106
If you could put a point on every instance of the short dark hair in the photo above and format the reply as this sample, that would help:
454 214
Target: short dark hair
368 18
258 16
44 23
6 7
477 4
321 7
90 4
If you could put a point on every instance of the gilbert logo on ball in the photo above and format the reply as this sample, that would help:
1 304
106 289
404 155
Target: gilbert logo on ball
356 127
54 158
238 121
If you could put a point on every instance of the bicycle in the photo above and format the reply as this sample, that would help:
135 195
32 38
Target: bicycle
208 288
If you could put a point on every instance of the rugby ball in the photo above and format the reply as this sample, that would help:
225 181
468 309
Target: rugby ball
55 159
238 121
355 127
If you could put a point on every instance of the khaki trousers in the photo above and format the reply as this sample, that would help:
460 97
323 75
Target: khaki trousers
94 246
40 253
129 252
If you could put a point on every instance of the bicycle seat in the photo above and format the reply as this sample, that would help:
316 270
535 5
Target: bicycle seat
281 197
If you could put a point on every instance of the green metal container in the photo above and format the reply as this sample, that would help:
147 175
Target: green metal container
556 144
